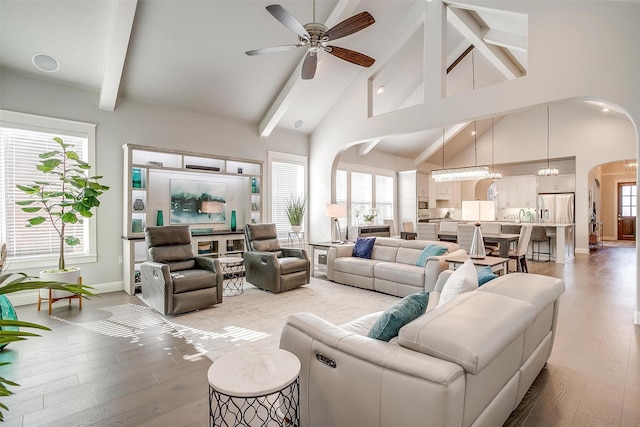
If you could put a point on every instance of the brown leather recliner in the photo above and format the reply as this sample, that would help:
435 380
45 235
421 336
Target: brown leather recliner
174 280
270 267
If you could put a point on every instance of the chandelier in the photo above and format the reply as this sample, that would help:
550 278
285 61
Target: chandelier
548 171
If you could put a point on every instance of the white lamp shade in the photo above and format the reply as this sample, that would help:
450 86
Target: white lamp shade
335 210
478 210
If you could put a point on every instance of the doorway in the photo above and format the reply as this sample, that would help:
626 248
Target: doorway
627 210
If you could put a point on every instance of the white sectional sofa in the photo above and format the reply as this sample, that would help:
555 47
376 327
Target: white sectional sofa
392 268
467 362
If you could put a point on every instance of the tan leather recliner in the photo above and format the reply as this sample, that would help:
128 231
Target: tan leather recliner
270 267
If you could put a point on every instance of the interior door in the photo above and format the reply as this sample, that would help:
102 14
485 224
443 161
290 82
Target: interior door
627 207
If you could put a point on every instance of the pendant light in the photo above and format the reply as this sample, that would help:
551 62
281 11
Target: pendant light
548 171
493 174
465 173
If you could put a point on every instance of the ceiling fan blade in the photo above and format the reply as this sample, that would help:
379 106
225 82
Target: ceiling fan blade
351 56
309 65
288 20
350 25
273 49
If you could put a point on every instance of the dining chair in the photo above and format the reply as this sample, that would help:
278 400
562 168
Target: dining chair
407 227
448 227
465 236
427 231
538 236
392 227
491 228
520 253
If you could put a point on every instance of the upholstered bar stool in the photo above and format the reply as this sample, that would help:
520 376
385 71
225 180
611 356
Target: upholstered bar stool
538 236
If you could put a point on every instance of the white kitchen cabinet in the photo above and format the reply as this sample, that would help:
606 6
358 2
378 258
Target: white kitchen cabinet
412 187
564 183
517 192
422 184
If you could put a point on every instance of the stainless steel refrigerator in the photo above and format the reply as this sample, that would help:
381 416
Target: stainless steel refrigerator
556 208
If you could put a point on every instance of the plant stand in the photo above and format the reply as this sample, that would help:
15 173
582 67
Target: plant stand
54 295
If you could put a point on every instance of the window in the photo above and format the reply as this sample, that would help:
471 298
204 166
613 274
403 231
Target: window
362 189
23 137
628 200
288 178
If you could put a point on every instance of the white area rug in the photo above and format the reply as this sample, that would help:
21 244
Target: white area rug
257 317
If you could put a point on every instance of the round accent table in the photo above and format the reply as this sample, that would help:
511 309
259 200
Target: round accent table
233 270
255 387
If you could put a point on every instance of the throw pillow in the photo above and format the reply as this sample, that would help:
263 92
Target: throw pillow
485 274
364 247
464 279
428 251
399 314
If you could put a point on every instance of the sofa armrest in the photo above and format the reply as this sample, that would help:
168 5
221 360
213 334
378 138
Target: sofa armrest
386 355
296 253
337 251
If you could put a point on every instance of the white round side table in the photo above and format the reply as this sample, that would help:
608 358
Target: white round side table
255 387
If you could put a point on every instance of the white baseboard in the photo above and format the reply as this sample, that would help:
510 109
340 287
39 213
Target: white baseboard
31 297
582 251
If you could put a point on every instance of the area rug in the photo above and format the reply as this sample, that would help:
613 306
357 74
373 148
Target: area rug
257 317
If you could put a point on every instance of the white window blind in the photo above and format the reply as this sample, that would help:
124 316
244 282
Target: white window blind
384 197
287 179
19 152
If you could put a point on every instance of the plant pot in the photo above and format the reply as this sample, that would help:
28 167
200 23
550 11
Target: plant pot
296 228
72 275
368 222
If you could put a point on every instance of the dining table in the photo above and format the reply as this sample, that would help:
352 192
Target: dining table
503 240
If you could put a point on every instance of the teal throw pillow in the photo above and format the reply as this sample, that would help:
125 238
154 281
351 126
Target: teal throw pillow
395 317
485 274
364 247
428 251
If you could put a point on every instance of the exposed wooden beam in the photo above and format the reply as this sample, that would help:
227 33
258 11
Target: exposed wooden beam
507 40
471 30
367 147
288 92
124 14
437 144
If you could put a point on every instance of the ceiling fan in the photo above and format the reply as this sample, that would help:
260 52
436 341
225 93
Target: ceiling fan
315 37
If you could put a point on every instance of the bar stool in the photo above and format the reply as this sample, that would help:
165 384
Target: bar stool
539 235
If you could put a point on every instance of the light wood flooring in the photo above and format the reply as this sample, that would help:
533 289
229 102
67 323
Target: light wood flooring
111 373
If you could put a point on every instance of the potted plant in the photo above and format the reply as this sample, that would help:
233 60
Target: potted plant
9 322
69 196
295 211
370 216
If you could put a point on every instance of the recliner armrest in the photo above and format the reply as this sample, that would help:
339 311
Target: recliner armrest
296 253
208 263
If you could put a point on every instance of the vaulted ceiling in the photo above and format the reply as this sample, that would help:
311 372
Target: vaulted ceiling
191 55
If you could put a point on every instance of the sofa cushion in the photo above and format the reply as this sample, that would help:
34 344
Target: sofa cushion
356 266
400 273
464 279
364 247
395 317
485 274
429 251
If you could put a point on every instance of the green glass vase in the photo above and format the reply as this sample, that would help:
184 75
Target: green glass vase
233 220
7 312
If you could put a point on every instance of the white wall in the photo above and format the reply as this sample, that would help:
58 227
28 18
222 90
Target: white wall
576 50
137 123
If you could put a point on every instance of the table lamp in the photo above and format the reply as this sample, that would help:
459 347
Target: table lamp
335 211
478 210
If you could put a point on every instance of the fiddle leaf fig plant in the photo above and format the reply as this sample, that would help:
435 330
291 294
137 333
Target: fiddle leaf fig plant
68 196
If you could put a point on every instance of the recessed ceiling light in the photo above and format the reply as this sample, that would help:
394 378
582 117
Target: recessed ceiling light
298 123
605 110
44 62
473 133
380 89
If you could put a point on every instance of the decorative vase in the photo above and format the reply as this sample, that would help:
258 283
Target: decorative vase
296 228
136 225
254 186
159 218
367 222
7 312
233 220
138 205
136 178
477 244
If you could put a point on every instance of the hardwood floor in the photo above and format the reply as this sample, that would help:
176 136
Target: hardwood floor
106 371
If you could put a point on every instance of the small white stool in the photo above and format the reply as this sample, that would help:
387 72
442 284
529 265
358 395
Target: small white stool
255 387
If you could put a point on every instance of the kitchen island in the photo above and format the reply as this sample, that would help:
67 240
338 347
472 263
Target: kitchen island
562 239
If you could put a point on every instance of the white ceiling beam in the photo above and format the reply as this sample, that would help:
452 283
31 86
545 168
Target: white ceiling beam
507 40
367 147
437 144
286 96
125 11
471 30
457 52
